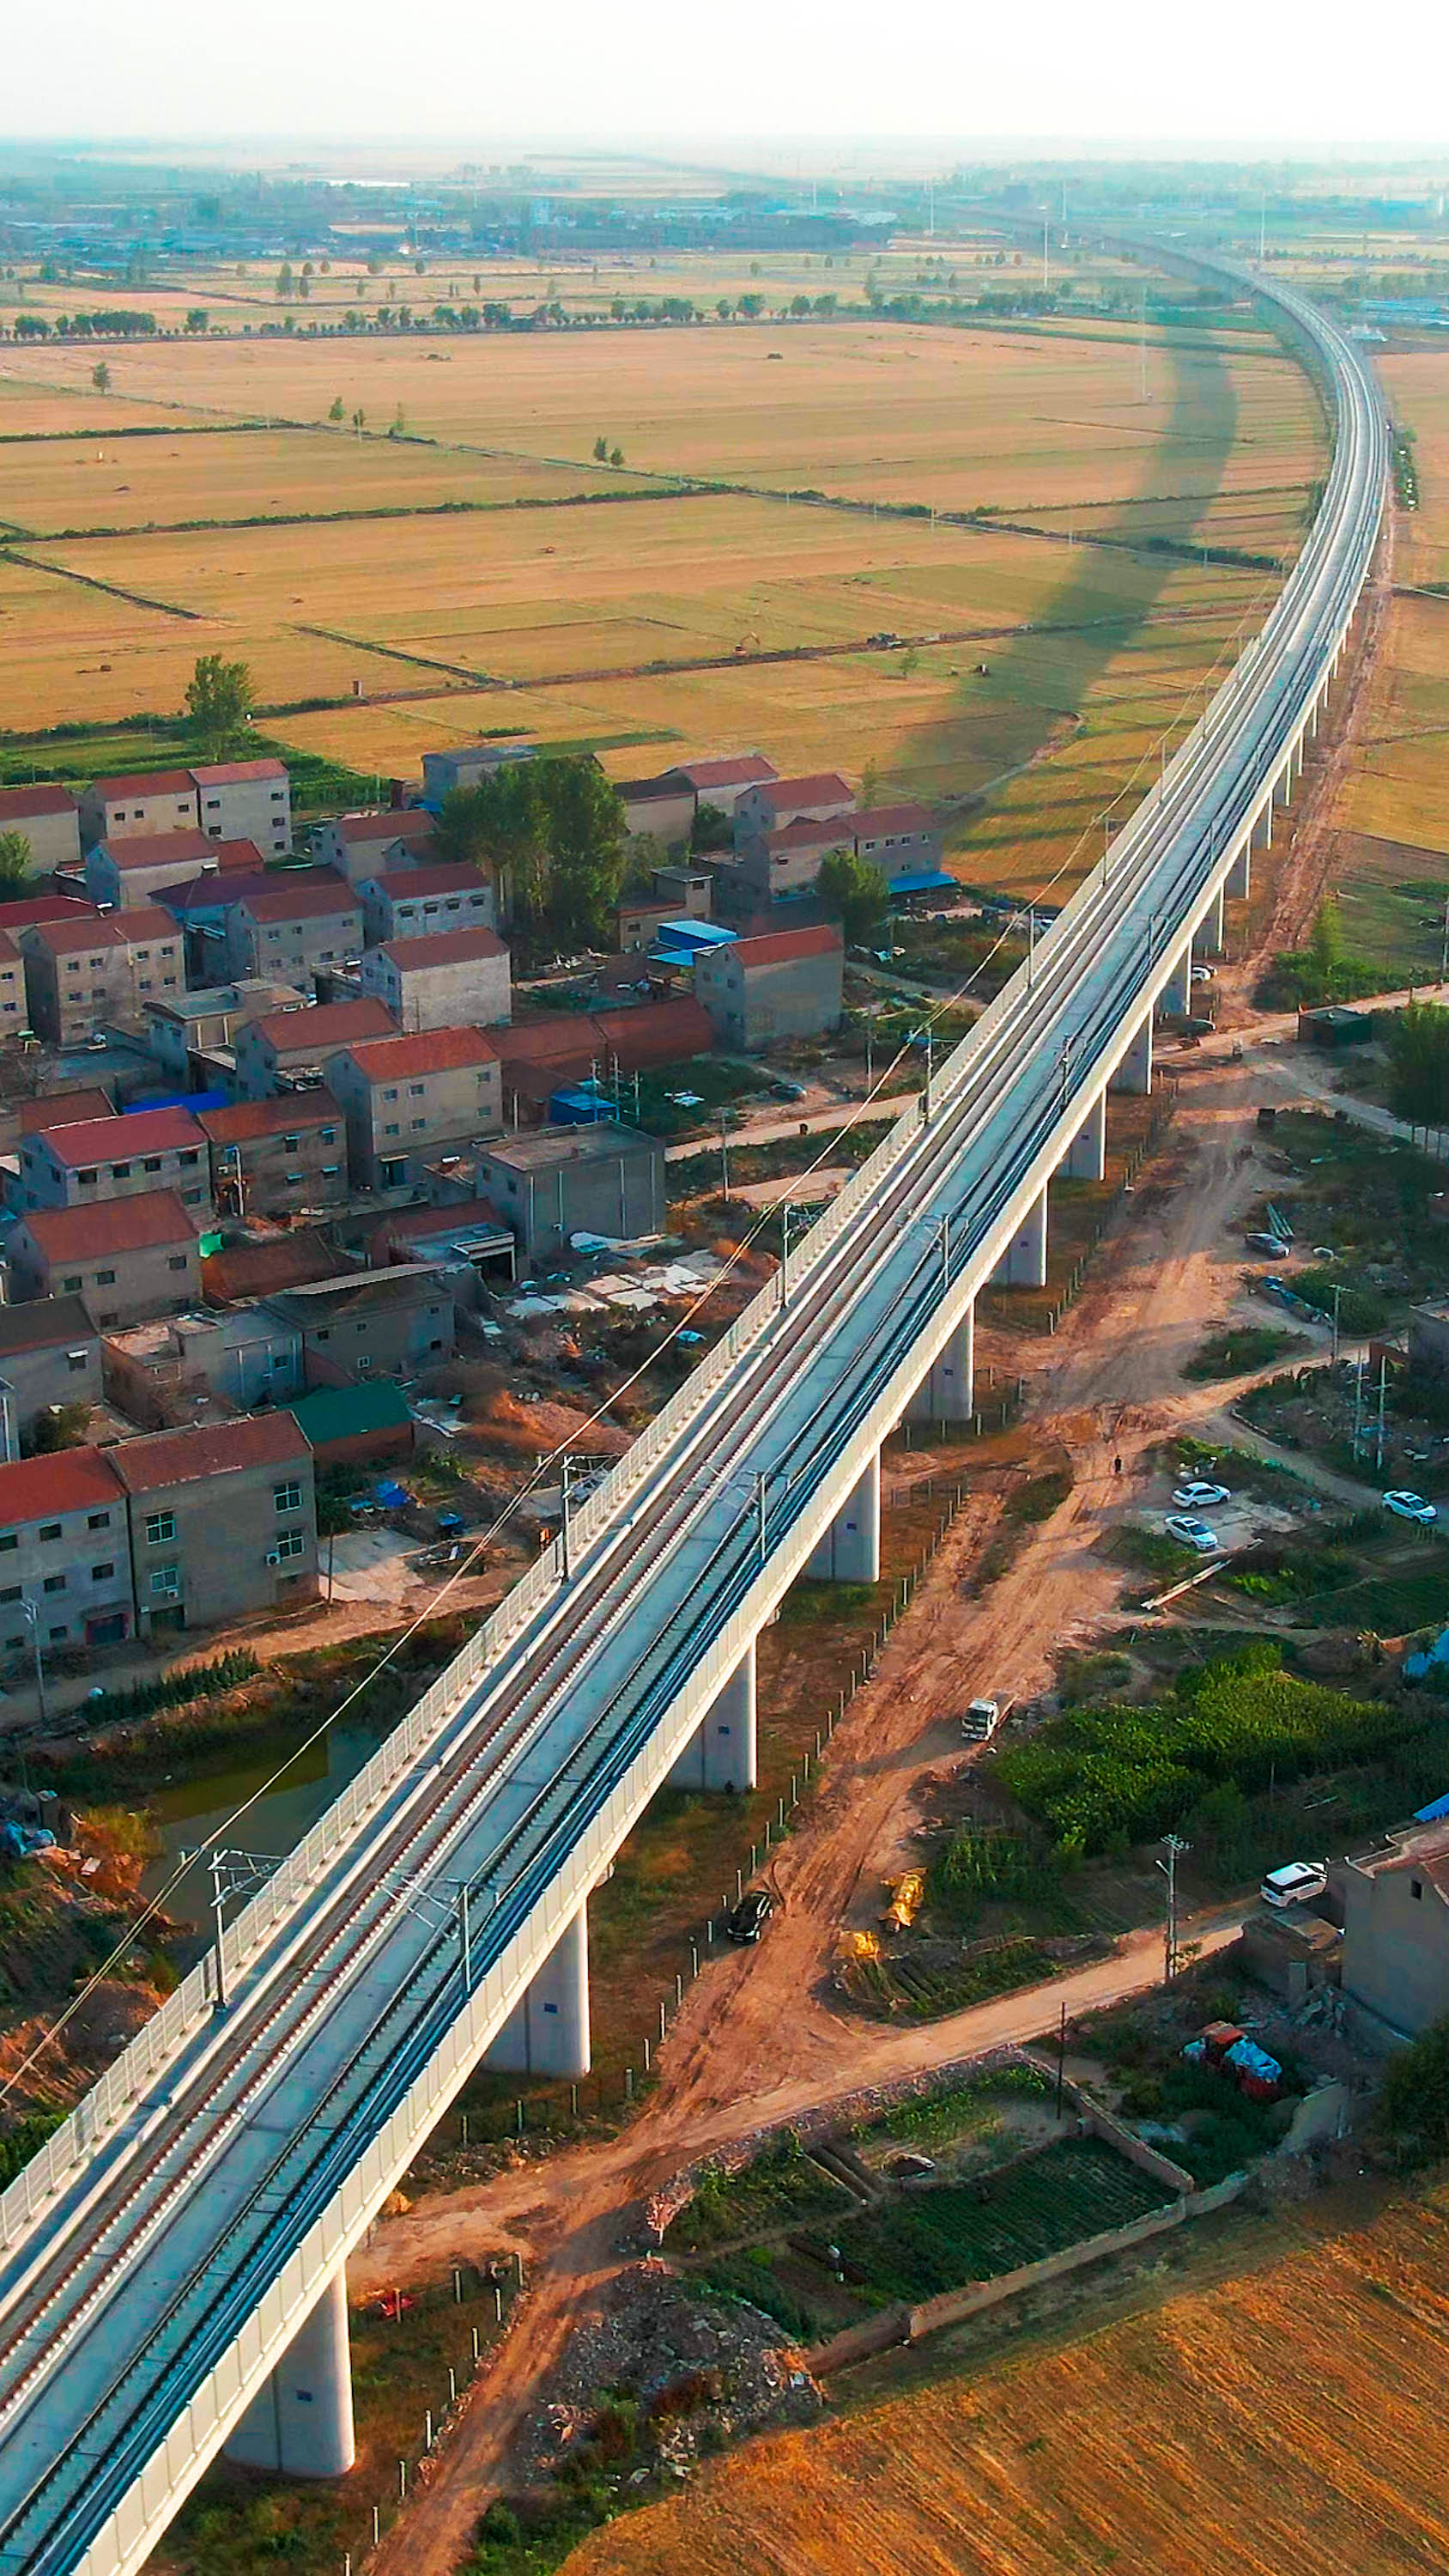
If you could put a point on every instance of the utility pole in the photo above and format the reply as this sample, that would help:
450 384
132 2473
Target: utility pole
565 1476
1263 229
1444 948
218 1926
1173 1845
32 1615
724 1152
1357 1406
945 1223
785 1215
1142 344
761 1481
1046 258
465 1939
1383 1387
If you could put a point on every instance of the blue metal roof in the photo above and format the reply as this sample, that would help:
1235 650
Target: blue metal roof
923 881
690 934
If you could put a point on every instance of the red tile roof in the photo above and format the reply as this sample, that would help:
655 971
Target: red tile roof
400 883
284 899
811 833
147 921
145 782
261 1269
45 907
159 850
400 823
17 802
106 930
654 1033
71 1480
8 950
141 1224
329 1025
242 1119
826 787
433 1051
443 948
62 1109
236 773
110 1140
777 946
734 769
162 1458
871 819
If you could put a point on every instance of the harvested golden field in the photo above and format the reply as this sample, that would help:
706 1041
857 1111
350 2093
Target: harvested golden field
56 486
1293 2416
872 410
1417 385
32 405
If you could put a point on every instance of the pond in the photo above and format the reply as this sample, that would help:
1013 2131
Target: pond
190 1814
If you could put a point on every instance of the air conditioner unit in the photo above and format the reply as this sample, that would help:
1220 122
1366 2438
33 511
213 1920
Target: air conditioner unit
274 1556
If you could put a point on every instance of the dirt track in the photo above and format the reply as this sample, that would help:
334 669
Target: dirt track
759 2037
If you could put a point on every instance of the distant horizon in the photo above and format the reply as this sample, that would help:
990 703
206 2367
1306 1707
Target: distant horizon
764 154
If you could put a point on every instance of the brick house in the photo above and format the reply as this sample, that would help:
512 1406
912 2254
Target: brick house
725 777
290 1050
409 1098
177 1370
143 868
154 800
64 1552
50 1355
128 1257
187 1032
442 981
369 1323
769 806
368 845
14 1009
110 1158
49 819
246 800
223 1520
97 973
574 1180
787 984
410 903
1396 1931
277 1157
286 929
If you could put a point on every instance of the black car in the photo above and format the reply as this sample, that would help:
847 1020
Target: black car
747 1920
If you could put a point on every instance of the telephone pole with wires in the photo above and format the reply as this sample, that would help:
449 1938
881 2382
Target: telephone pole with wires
1174 1846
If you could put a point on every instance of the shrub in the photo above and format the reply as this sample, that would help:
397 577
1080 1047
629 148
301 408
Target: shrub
1414 2103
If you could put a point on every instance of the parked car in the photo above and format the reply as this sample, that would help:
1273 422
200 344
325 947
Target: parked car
1191 1532
747 1920
1203 974
981 1720
1195 1497
1294 1883
1409 1507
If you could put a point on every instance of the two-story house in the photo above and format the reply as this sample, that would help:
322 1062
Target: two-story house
456 976
112 1158
153 800
293 924
65 1559
410 903
146 866
50 1357
408 1099
278 1157
223 1520
81 976
381 844
128 1257
48 818
291 1050
246 800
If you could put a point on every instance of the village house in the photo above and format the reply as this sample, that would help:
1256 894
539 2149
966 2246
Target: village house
261 1267
407 1098
410 903
467 765
786 984
191 1034
127 1257
287 929
81 976
65 1557
368 845
246 800
722 779
180 1369
369 1323
223 1520
561 1181
155 800
14 1009
144 868
111 1158
290 1050
769 806
441 981
49 819
1395 1957
50 1357
278 1157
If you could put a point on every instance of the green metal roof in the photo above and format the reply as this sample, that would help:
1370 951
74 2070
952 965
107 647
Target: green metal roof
341 1412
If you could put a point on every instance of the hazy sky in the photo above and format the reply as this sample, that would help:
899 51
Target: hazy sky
1275 72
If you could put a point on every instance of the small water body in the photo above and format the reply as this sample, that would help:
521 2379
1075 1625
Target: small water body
190 1814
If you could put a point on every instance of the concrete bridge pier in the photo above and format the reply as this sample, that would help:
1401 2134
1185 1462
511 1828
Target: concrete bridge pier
1086 1156
1208 935
1239 883
850 1550
722 1753
1176 993
299 2424
1134 1073
1264 826
1024 1262
547 2032
947 1392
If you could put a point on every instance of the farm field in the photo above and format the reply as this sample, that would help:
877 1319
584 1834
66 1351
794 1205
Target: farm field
1213 2433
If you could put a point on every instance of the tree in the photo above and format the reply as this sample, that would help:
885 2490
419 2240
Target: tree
198 318
101 378
1419 1065
586 825
286 284
616 456
1414 2104
855 890
15 856
498 828
711 829
359 420
601 451
337 412
218 703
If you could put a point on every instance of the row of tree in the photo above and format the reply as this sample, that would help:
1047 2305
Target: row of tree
551 833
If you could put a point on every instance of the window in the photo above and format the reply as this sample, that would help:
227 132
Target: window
105 1278
12 1592
392 1130
102 1573
165 1579
98 1520
120 1171
160 1526
291 1144
152 1163
75 1361
50 1529
418 1124
88 1180
9 1539
287 1498
326 1135
390 1095
191 1198
417 1089
73 1282
394 1174
330 1171
54 1583
1416 1888
175 1260
291 1543
56 1635
189 1160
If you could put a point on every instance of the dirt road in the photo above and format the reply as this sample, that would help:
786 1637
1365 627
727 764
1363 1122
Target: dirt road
760 2037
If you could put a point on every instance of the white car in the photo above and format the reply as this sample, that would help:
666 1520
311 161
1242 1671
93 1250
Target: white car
1202 975
981 1721
1410 1507
1191 1532
1194 1497
1294 1883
